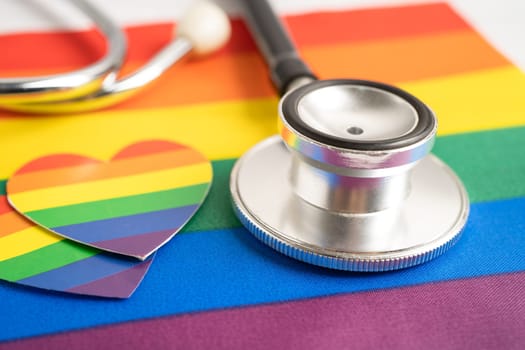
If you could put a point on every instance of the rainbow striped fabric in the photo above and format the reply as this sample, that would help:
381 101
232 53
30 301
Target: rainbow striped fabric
214 285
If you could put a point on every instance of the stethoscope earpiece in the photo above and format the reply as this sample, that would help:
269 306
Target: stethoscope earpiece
350 183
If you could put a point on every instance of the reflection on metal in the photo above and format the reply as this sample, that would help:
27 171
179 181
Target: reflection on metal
416 229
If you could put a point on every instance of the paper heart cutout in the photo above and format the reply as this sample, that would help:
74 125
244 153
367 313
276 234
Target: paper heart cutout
131 205
33 256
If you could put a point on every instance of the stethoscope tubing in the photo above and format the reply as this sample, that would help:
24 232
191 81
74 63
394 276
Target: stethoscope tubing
280 54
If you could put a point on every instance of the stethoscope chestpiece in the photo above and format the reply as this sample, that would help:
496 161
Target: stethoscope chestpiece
353 186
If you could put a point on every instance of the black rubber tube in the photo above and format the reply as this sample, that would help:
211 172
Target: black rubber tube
273 41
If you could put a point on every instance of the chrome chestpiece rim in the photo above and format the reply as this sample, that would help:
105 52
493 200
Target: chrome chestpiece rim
354 142
357 115
350 183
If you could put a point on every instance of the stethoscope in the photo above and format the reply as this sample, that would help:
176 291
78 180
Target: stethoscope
204 29
349 184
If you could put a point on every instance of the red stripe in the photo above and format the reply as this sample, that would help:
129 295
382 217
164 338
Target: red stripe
4 205
373 24
70 50
55 161
479 313
149 147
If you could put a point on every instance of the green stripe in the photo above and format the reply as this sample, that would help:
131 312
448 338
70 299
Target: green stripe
44 259
490 163
122 206
3 185
216 212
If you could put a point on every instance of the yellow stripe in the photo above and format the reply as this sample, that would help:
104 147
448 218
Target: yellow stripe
476 101
468 102
111 188
25 241
218 130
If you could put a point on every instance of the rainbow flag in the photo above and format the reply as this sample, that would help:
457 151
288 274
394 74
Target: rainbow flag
214 285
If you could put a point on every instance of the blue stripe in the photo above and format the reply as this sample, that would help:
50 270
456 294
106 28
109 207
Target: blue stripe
127 226
80 272
217 269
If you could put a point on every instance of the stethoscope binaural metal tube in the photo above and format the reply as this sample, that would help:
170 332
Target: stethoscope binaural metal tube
111 91
73 84
350 183
204 29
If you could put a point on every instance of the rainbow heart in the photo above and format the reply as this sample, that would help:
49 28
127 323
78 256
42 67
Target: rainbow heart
131 205
33 256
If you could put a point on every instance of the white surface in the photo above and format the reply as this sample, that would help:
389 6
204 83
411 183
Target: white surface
501 22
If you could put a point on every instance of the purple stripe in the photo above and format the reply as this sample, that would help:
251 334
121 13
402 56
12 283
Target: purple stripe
479 313
80 272
140 245
120 285
125 226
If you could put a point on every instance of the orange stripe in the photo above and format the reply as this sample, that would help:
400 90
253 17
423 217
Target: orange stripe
244 76
87 173
13 222
77 49
224 77
407 59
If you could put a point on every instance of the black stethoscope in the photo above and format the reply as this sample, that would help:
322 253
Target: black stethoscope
349 184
